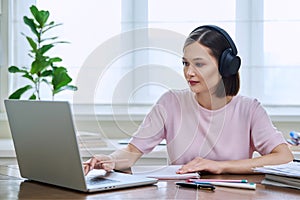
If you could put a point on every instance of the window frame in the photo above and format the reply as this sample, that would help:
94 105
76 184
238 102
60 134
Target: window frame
244 32
5 30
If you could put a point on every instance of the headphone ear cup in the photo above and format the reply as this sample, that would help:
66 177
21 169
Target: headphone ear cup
229 63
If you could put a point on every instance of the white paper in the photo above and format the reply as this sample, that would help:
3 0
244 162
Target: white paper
162 172
291 169
278 184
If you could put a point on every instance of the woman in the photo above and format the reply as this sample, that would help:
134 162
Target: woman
208 127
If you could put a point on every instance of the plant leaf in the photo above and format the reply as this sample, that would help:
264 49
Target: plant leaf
18 93
45 48
15 69
51 23
34 10
61 42
32 97
32 25
30 55
55 59
46 73
51 26
32 43
67 87
38 66
46 81
28 76
40 16
52 38
71 87
60 78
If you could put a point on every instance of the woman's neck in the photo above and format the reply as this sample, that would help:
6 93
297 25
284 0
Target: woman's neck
211 102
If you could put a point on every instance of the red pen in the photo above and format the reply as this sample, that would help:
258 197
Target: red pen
218 180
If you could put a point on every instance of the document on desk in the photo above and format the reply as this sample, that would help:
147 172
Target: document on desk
291 169
285 175
162 172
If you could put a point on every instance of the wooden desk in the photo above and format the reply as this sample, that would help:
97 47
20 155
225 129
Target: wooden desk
14 187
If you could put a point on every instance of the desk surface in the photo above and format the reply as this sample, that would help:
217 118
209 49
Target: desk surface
14 187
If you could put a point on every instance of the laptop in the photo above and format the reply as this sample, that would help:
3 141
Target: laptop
47 151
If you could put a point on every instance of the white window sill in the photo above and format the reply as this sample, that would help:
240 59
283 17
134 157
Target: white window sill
137 112
157 157
283 113
110 112
159 154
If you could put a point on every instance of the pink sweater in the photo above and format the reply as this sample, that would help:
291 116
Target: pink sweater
230 133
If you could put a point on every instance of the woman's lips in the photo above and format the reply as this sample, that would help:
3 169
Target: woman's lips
193 82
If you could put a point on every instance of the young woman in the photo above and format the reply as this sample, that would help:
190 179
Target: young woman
208 127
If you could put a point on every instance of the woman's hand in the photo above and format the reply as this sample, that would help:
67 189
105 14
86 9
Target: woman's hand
99 162
279 155
200 164
120 159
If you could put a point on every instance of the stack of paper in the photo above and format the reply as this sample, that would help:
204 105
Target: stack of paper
285 175
162 172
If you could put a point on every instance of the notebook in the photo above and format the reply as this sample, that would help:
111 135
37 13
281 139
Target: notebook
283 175
47 150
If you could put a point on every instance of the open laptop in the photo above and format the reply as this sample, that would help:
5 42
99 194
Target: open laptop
47 151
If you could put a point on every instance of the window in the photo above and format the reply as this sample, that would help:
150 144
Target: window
182 17
4 37
266 34
86 25
281 64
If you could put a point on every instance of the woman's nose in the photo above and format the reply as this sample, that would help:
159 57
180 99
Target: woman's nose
191 71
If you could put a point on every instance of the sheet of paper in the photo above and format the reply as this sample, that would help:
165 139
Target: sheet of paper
291 169
278 184
162 172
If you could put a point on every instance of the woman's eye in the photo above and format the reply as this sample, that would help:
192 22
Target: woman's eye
198 64
185 63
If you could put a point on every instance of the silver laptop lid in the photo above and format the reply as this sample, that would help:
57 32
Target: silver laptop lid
45 142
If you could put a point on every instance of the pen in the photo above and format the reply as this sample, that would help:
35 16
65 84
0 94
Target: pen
106 161
218 180
117 160
295 135
196 185
251 186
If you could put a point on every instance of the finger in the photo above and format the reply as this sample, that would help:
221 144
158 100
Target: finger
190 167
108 166
98 165
181 170
86 169
86 166
92 163
195 161
184 168
86 163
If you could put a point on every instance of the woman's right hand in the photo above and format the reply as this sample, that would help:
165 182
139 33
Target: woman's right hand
99 162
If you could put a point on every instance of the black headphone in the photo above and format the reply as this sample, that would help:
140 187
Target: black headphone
229 62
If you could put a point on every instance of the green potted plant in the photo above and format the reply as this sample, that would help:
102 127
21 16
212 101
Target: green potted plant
43 69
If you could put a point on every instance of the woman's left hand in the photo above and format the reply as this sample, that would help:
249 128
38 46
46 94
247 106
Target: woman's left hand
200 164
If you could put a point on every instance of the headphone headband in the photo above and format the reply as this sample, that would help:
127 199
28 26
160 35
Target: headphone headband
223 33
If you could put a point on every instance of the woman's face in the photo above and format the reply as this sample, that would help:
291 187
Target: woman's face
200 68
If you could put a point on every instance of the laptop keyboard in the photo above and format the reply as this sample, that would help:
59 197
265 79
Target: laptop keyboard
98 180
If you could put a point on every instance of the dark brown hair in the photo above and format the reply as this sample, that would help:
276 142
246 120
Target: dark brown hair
217 43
